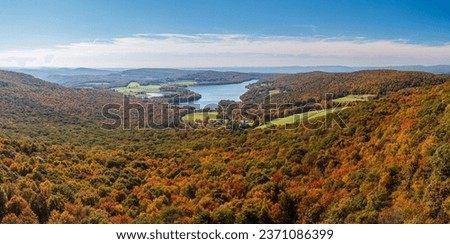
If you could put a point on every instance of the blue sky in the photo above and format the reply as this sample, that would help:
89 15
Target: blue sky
48 33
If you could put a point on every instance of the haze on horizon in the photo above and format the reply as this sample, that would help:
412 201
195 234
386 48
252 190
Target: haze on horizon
181 34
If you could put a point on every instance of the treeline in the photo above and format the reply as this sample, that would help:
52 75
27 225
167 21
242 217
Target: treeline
216 77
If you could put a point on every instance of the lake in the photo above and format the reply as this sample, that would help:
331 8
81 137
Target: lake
212 94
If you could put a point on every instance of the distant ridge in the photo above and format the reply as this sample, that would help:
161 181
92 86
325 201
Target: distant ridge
435 69
108 78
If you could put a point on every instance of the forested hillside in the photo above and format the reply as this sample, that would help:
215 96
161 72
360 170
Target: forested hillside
389 164
25 98
104 79
29 100
314 85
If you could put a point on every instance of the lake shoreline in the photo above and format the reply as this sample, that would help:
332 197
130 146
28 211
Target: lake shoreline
211 95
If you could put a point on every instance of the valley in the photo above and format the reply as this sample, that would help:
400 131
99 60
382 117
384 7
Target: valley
389 164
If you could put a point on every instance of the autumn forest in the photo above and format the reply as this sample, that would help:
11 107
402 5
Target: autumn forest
388 162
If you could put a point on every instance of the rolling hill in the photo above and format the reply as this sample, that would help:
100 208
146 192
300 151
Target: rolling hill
388 164
314 85
109 78
25 98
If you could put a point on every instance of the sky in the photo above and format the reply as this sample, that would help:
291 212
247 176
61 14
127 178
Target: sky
223 33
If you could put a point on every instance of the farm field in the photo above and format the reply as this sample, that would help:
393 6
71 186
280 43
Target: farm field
185 82
134 88
295 118
274 92
354 98
192 117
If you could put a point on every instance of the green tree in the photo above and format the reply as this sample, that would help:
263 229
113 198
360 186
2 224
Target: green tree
55 202
441 161
3 201
16 205
39 206
223 215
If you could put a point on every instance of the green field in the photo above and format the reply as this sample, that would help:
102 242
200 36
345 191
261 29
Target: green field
298 117
193 117
185 82
135 88
274 92
354 98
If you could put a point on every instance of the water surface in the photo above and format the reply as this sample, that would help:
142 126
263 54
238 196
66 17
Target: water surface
212 94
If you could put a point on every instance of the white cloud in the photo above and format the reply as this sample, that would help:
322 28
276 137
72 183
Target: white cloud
217 50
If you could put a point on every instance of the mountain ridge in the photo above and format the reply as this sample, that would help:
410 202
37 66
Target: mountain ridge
76 77
97 78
